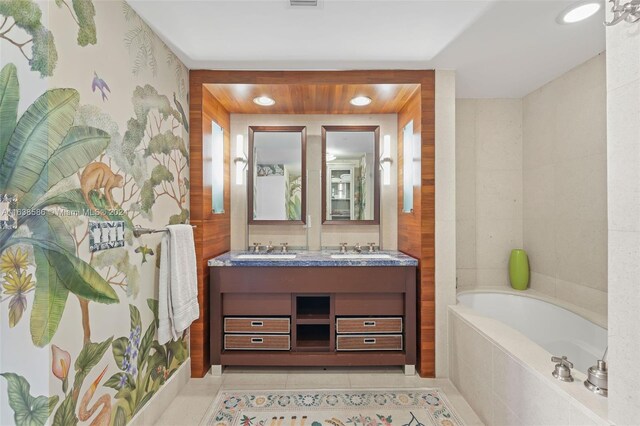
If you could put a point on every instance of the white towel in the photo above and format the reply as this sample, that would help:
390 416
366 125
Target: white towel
178 287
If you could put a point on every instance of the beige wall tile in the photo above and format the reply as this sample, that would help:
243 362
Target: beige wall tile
539 187
465 279
623 133
499 134
580 295
486 277
445 244
466 244
543 283
494 241
540 243
489 188
565 183
623 157
499 194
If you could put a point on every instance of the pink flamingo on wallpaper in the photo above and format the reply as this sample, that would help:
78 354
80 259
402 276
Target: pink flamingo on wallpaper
104 415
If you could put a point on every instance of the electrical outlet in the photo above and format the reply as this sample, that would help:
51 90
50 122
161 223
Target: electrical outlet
106 235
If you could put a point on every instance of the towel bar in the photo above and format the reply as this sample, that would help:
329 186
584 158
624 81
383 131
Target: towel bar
137 232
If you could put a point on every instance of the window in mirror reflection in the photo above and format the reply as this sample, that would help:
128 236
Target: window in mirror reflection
350 193
277 165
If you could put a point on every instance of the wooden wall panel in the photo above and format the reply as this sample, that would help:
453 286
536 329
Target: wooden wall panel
416 231
312 98
426 293
213 231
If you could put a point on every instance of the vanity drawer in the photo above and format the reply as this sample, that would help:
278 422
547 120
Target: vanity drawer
257 325
371 342
368 325
257 342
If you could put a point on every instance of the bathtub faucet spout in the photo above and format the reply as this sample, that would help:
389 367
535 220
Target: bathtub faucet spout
598 377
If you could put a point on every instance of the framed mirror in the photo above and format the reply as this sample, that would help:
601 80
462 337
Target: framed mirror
277 168
351 175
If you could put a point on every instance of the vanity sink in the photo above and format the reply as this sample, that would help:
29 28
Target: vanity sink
360 256
265 256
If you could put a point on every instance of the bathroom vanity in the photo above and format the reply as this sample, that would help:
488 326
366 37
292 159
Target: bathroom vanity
313 309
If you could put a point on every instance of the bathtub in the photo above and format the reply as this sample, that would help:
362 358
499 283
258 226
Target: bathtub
558 330
500 348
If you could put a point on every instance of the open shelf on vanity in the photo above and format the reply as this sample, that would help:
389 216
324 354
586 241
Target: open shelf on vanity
313 337
313 309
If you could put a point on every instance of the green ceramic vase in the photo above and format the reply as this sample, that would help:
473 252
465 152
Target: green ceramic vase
519 269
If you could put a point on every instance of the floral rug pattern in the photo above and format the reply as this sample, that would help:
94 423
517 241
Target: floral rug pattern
407 407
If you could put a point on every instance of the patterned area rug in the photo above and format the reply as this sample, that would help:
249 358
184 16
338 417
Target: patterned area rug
406 407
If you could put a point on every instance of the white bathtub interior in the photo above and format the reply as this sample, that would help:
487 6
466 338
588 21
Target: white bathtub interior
558 330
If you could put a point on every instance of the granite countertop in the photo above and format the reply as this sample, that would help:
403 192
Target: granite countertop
314 258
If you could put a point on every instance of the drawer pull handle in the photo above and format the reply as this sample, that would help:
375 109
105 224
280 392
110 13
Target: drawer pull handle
369 323
257 323
257 340
370 341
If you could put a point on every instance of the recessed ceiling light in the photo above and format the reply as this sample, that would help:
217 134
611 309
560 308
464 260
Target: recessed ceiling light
263 101
360 101
579 12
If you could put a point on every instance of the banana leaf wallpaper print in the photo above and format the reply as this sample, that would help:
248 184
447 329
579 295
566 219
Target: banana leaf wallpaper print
93 128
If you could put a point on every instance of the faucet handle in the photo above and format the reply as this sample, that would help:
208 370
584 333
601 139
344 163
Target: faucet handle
563 368
562 360
256 247
372 247
343 247
285 247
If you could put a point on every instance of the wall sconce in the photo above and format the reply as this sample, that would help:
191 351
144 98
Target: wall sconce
217 169
629 12
385 160
240 160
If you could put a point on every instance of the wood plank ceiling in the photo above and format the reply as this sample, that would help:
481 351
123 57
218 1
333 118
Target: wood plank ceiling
312 98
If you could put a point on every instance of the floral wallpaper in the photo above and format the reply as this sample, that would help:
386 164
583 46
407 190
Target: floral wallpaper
93 129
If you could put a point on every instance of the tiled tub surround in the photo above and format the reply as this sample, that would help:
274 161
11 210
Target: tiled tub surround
315 258
532 173
506 377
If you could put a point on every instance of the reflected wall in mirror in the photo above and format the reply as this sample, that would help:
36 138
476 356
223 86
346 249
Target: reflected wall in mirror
350 175
277 184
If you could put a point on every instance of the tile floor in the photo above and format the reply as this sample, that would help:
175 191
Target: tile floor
191 404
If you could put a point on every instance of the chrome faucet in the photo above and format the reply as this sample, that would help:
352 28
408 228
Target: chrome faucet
598 377
343 248
563 368
357 248
256 247
269 247
372 247
284 247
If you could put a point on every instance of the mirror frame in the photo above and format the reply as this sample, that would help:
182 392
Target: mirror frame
303 139
376 175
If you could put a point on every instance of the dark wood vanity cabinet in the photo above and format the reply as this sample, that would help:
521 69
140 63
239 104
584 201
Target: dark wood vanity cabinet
313 316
